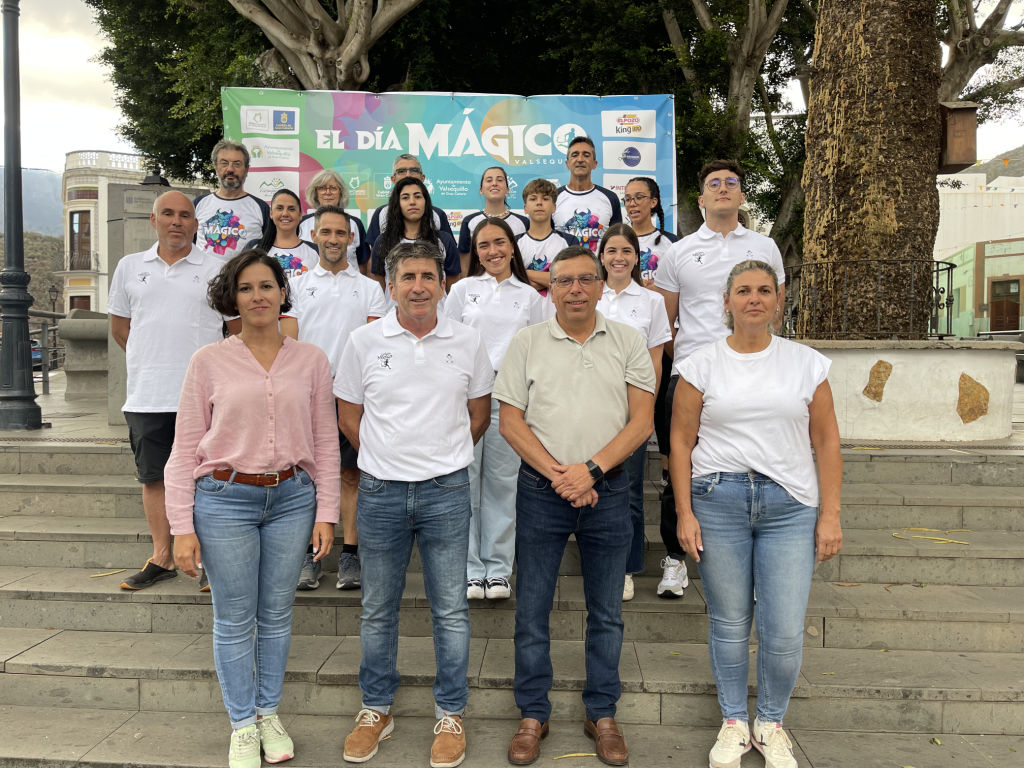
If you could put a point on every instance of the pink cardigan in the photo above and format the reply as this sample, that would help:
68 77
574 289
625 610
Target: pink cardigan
233 414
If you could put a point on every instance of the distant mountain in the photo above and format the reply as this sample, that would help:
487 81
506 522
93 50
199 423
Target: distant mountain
994 168
41 201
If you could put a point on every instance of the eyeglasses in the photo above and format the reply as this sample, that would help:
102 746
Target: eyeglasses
716 184
635 198
411 171
564 281
328 188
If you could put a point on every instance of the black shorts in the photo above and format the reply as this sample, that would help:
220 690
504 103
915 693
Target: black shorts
151 436
349 455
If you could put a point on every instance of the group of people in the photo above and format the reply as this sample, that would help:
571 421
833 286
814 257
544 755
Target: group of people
494 399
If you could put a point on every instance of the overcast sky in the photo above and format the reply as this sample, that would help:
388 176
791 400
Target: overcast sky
67 102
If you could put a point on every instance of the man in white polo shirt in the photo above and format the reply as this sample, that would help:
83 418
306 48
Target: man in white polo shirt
692 278
330 301
577 399
413 397
585 209
160 316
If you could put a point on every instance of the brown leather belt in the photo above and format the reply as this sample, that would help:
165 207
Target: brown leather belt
264 478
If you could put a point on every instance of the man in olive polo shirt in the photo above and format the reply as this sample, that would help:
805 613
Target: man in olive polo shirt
577 398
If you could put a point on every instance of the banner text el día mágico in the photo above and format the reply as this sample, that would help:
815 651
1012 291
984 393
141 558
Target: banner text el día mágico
293 134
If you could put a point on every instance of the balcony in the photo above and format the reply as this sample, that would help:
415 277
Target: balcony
83 261
96 159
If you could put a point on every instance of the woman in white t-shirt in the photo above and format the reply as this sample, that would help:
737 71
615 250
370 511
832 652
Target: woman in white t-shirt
497 299
746 413
626 300
281 239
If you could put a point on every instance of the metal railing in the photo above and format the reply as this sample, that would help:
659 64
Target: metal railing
42 325
84 261
870 298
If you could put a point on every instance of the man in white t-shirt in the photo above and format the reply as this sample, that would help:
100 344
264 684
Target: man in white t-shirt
585 209
229 217
692 279
160 316
329 301
414 395
405 165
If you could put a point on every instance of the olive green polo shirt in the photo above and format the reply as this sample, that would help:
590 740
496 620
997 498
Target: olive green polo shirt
574 395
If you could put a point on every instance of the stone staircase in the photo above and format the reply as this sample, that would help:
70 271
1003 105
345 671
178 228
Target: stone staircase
906 638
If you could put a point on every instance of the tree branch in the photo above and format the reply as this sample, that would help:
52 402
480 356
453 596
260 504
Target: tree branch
995 19
769 125
320 21
682 51
703 15
995 89
289 45
810 9
285 12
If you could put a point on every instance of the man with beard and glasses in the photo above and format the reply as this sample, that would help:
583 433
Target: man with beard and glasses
229 217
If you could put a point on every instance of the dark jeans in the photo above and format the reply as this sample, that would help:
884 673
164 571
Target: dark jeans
668 498
635 466
544 522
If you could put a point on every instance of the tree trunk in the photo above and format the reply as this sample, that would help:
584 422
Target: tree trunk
872 158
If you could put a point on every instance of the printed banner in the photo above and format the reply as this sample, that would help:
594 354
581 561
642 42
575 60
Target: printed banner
456 136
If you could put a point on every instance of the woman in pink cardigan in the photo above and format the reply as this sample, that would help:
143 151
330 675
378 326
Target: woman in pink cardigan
253 474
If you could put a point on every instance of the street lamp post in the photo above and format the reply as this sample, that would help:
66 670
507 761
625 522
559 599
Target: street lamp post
53 298
18 407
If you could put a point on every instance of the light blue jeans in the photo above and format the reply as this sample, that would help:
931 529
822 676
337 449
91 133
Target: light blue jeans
251 541
391 515
492 491
756 537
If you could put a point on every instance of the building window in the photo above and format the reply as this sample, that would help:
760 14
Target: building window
83 194
79 302
79 240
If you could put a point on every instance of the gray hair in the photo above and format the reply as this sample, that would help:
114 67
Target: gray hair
573 252
321 178
417 249
750 265
234 146
405 156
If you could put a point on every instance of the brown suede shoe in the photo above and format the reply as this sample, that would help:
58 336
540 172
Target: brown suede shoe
525 745
611 747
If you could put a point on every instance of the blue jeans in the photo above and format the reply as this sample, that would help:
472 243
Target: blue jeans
390 515
544 522
756 537
492 483
635 466
251 542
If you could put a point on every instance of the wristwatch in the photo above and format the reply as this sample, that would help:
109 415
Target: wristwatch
596 473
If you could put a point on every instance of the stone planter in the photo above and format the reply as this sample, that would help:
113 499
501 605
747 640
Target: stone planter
84 335
922 391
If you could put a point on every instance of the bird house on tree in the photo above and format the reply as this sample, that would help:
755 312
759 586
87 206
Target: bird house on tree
959 148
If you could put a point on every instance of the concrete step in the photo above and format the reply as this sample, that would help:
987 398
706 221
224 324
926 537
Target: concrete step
840 615
665 683
55 458
71 495
106 738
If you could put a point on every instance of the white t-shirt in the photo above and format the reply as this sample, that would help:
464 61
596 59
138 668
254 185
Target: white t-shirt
329 307
296 260
537 254
225 226
652 253
696 268
516 222
170 319
755 413
497 310
358 251
639 308
586 215
414 394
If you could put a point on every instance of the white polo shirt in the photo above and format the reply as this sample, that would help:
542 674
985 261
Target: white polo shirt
497 310
639 308
696 268
170 319
329 307
414 394
586 215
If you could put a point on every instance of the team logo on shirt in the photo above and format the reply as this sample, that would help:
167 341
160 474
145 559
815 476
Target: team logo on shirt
449 359
474 298
143 277
384 359
698 257
587 228
648 260
311 291
516 306
195 279
634 313
222 231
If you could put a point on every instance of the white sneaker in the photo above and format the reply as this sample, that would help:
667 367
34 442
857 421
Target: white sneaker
674 579
627 589
245 748
733 743
475 589
773 742
497 588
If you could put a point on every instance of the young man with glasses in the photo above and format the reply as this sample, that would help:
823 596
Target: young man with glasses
229 217
692 278
405 165
577 399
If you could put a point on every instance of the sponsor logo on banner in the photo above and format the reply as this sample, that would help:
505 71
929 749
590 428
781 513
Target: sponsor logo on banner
637 124
629 155
565 134
264 184
616 182
455 217
255 119
285 120
272 153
